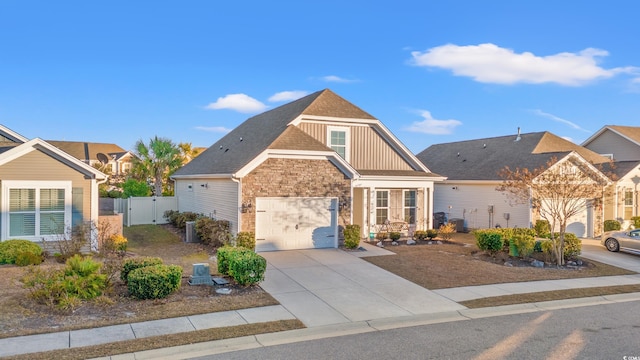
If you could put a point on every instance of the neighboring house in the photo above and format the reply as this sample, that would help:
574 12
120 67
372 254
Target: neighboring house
472 170
109 158
622 145
295 173
44 191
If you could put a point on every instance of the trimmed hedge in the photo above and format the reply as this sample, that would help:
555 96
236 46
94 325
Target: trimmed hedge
154 281
351 236
213 232
612 225
11 249
246 239
135 263
489 240
542 228
245 266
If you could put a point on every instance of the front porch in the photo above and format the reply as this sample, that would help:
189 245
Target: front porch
388 208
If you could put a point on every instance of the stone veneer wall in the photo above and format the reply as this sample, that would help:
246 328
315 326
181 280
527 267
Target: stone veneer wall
295 178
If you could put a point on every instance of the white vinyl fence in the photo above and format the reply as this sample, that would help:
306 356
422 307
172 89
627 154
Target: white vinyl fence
145 210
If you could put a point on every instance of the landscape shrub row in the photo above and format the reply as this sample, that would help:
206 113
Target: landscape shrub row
149 278
20 252
242 264
65 289
522 242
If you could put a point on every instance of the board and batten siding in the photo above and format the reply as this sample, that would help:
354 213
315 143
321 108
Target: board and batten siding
368 150
611 143
471 203
37 166
217 199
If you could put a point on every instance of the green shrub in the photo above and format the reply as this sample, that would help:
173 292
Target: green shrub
394 236
636 221
525 244
182 218
352 236
611 225
135 263
213 232
432 233
420 235
542 228
10 249
224 255
81 279
489 240
247 267
28 258
572 245
171 216
246 239
547 249
382 235
154 281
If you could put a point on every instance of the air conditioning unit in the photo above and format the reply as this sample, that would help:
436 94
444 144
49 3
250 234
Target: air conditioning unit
190 232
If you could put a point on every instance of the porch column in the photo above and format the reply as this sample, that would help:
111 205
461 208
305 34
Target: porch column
372 210
427 205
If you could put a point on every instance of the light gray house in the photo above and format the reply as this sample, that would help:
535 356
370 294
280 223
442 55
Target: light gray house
295 173
472 169
622 145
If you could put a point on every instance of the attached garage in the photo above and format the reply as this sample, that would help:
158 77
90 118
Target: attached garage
288 223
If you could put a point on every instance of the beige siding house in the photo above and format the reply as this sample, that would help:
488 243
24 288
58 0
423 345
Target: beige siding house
622 145
110 158
295 174
44 191
472 169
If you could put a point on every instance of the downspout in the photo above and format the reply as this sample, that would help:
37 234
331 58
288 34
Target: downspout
239 202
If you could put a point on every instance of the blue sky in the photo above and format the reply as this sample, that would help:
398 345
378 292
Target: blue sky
431 71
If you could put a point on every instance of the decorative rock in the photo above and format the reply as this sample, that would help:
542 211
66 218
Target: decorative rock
571 263
224 291
394 243
579 262
537 263
430 242
439 242
379 244
411 242
508 264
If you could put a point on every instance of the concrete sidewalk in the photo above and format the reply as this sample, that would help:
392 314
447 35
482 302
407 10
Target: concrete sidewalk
115 333
334 293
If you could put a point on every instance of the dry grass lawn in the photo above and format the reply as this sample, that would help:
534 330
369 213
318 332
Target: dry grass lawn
437 266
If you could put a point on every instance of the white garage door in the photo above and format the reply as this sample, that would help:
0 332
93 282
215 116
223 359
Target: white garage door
581 224
296 223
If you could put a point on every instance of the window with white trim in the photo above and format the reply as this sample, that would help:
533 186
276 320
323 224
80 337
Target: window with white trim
628 204
410 206
338 140
382 206
35 209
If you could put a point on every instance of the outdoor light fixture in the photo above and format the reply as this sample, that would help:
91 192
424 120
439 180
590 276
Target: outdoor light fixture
246 207
205 185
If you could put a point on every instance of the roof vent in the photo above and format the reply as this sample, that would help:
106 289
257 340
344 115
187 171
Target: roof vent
518 137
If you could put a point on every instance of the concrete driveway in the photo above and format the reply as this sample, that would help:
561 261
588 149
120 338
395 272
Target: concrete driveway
331 286
592 249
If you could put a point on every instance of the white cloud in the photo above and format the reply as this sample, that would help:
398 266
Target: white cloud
215 129
238 102
337 79
489 63
559 119
288 95
433 126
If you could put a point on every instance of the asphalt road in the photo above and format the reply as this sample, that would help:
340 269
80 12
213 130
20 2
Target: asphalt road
591 332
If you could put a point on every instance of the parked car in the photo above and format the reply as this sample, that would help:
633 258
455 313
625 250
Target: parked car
628 241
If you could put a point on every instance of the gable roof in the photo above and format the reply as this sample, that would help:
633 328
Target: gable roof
272 129
621 168
8 135
482 159
54 152
631 133
88 151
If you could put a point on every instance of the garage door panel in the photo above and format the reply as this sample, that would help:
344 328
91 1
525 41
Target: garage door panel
295 223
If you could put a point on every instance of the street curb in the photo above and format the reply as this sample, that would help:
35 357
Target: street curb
323 332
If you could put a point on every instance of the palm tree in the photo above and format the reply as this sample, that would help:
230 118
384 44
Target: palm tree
188 152
157 161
